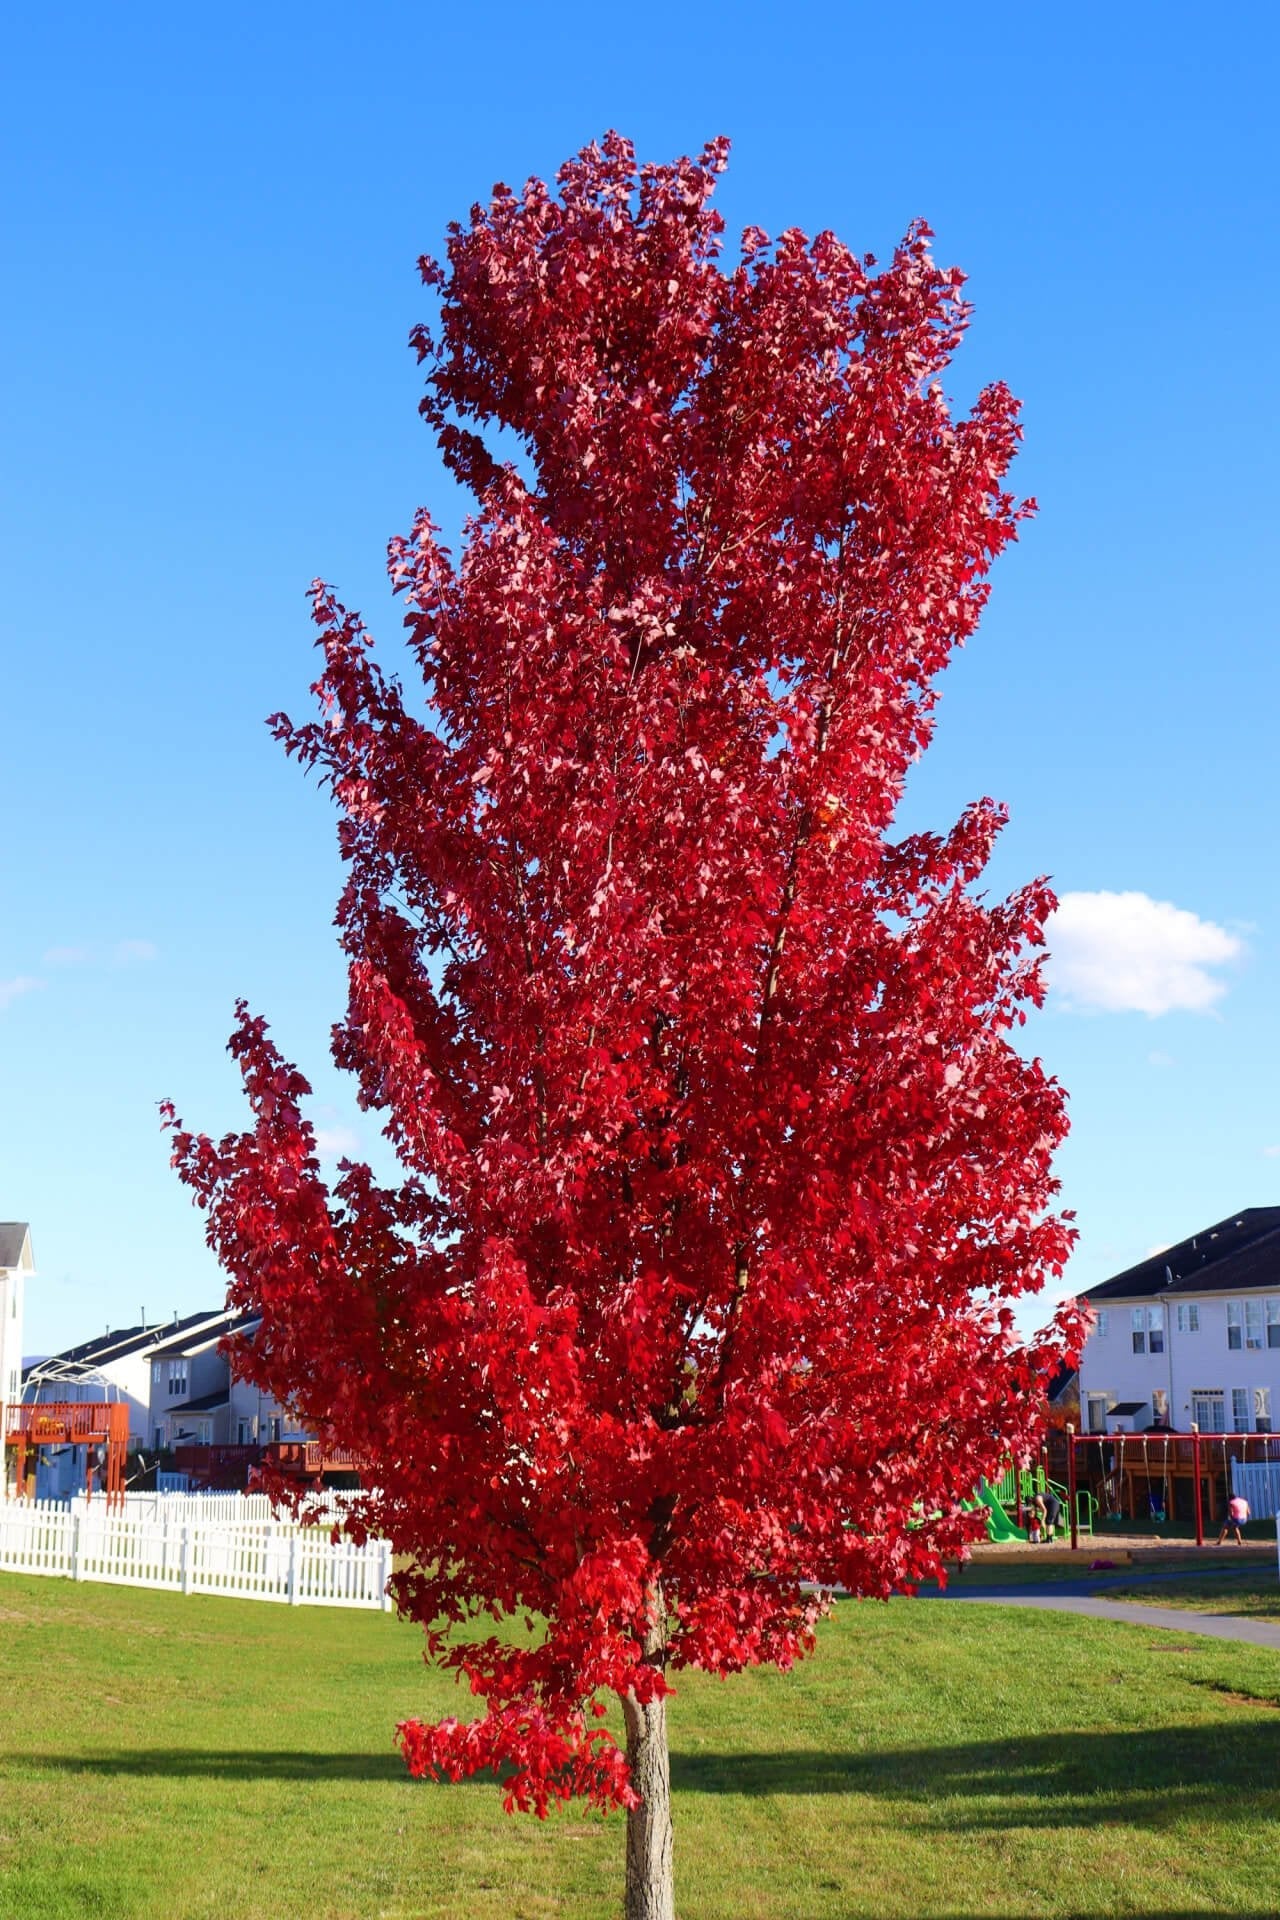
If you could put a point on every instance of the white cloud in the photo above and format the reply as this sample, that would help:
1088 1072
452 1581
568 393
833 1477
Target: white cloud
335 1143
126 951
1271 1153
13 989
1128 953
1158 1059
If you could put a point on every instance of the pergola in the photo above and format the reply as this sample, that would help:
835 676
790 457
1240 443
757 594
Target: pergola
101 1427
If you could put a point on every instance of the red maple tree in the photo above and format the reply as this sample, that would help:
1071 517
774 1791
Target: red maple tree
720 1170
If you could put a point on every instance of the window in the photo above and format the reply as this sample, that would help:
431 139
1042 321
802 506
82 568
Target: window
177 1371
1148 1330
1097 1412
1273 1322
1207 1409
1189 1316
1102 1325
1245 1325
1160 1406
1262 1409
155 1373
244 1430
1240 1409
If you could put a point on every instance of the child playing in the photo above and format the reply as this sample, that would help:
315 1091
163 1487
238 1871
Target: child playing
1237 1517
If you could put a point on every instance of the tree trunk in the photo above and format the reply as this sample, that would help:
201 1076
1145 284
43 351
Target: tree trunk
650 1873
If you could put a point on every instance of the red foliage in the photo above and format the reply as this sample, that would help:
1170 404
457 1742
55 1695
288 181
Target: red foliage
719 1168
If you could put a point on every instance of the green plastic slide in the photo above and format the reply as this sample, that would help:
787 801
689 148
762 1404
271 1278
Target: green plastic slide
999 1525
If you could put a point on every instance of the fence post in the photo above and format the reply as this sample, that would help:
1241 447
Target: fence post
77 1522
1071 1486
1195 1475
384 1575
294 1595
184 1556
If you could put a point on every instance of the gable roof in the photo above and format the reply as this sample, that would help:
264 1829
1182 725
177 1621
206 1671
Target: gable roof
215 1329
1237 1254
120 1343
207 1401
13 1237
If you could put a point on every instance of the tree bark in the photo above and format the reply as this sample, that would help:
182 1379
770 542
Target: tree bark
650 1870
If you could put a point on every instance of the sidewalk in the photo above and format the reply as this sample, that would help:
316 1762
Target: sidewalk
1067 1597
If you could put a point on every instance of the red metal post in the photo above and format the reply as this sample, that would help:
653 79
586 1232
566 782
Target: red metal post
1195 1478
1071 1486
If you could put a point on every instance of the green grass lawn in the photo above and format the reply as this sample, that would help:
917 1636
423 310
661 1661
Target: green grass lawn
204 1757
1253 1591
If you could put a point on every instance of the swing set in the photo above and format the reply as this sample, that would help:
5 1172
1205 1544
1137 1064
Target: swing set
1136 1476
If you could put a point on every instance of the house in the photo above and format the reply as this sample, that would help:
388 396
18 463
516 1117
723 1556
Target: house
176 1379
190 1385
195 1401
1189 1335
114 1365
16 1266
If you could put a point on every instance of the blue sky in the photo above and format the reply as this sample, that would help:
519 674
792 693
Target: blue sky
211 221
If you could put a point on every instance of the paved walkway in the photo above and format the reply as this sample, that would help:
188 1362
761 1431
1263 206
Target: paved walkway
1065 1597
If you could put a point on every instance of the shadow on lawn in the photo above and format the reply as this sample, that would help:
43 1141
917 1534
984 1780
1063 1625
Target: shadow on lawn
1066 1779
193 1763
1097 1778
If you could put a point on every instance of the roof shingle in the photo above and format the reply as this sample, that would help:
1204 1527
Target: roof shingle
1239 1253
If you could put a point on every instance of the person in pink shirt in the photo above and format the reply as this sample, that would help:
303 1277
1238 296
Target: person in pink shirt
1237 1516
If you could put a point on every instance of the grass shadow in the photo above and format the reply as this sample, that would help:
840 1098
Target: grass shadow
195 1763
1089 1778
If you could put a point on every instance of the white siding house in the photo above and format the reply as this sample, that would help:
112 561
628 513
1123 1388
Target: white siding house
1190 1335
196 1400
114 1366
16 1265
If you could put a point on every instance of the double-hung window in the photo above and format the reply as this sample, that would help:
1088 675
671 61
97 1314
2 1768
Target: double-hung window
1272 1306
1262 1409
1188 1316
1148 1330
1240 1409
1245 1326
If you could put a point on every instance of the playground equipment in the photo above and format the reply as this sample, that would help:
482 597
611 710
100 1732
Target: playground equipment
1162 1475
999 1525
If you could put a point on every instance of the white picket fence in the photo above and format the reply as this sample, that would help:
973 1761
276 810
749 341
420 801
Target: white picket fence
255 1560
214 1509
